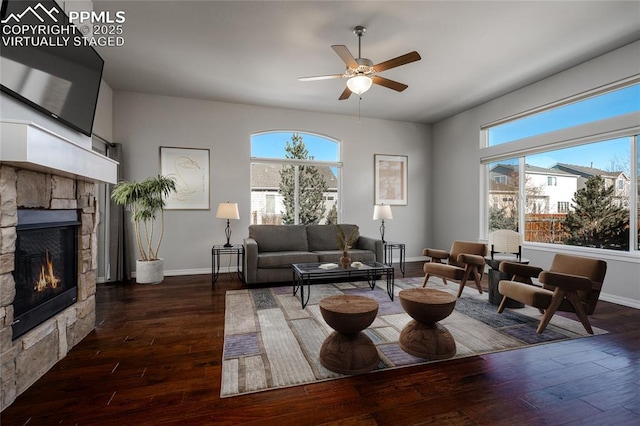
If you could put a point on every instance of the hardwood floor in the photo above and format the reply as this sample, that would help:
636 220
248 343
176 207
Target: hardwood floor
155 358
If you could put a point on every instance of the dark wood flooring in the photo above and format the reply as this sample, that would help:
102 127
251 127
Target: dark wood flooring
155 358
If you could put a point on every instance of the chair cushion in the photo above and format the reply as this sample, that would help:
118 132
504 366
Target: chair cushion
442 270
279 237
467 247
284 259
526 293
593 269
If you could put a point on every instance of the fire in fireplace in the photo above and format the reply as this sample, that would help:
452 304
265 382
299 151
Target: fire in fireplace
46 266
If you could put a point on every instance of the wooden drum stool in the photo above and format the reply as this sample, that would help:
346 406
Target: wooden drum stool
347 350
424 337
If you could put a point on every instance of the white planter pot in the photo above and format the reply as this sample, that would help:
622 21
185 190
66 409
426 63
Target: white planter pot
150 272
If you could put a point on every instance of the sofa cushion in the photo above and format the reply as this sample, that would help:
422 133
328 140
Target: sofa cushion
279 237
284 259
355 255
324 237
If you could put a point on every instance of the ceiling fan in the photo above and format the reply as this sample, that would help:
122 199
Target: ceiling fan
361 72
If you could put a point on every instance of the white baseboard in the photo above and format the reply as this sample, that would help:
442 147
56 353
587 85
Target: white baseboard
624 301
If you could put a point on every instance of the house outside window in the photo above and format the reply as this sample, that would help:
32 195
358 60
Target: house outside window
295 178
591 167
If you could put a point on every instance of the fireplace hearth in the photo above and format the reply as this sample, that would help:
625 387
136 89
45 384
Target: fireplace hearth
46 266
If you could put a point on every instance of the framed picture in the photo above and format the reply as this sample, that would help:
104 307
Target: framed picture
190 168
390 179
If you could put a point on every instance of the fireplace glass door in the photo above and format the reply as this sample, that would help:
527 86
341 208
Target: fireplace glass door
46 268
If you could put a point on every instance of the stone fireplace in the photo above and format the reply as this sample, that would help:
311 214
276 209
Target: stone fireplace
42 208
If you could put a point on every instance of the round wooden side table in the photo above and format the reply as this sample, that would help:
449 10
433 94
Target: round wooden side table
424 336
347 350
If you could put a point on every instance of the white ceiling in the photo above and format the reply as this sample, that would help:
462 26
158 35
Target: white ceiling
253 52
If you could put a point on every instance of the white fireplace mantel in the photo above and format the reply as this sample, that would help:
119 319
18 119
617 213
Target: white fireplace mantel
27 145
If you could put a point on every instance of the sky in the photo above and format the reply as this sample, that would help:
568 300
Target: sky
602 155
272 145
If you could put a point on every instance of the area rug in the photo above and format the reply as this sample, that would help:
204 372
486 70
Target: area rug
270 342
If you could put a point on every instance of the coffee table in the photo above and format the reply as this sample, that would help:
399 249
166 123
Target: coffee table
305 274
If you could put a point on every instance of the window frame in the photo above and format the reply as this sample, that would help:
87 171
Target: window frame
626 125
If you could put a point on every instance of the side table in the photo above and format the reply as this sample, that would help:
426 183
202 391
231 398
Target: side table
348 350
217 250
388 248
495 276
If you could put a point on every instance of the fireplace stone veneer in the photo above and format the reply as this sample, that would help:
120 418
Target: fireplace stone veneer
25 359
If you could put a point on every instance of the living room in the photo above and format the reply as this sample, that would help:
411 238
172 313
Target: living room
443 152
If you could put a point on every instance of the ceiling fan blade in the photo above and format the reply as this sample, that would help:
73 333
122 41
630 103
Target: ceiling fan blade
396 62
345 55
321 77
399 87
345 94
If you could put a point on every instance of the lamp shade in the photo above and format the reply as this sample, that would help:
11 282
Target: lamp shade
382 211
359 84
228 211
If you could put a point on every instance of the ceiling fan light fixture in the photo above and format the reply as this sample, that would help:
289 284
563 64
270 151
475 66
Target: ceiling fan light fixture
359 84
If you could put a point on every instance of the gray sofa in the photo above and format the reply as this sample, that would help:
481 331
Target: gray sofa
271 249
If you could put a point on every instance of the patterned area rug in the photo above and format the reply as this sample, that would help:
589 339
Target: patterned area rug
271 342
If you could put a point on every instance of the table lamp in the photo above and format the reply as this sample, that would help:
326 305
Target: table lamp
382 212
228 211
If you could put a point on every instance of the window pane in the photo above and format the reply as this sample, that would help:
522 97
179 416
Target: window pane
300 192
273 145
586 205
611 104
504 177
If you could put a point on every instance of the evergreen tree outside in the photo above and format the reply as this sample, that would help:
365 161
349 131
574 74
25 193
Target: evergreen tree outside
311 184
597 221
332 216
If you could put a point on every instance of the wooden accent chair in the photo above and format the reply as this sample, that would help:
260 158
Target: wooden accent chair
572 284
463 260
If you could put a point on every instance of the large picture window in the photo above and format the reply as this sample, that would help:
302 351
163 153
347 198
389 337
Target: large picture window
577 188
295 178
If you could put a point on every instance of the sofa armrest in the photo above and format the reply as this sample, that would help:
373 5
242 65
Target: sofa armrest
371 244
250 260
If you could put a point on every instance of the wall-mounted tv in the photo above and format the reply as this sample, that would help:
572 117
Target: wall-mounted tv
46 64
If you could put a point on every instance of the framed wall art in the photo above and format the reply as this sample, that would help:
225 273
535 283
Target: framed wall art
390 179
190 168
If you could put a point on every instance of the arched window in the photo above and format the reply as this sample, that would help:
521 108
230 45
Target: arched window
295 178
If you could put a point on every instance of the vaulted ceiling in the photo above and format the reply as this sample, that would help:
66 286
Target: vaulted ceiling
253 52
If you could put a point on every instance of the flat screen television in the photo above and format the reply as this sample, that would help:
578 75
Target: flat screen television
45 64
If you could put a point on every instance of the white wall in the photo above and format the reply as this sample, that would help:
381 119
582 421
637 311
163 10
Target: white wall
103 122
13 109
143 123
456 170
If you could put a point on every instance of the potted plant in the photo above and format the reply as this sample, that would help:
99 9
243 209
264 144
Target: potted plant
145 200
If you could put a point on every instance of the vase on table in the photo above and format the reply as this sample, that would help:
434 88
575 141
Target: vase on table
345 260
